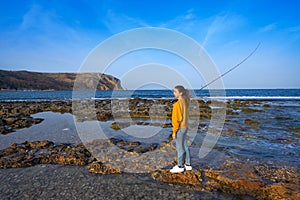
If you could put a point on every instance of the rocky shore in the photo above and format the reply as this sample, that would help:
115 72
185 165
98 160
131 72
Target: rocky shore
241 179
232 177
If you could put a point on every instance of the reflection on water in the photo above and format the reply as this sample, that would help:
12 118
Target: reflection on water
61 128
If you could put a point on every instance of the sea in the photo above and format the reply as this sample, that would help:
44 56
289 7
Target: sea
268 94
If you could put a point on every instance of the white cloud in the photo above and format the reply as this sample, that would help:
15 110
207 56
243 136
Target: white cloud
222 23
120 22
268 27
214 27
188 22
203 29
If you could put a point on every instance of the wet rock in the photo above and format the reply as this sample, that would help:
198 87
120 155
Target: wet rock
167 125
284 174
231 112
115 126
252 123
10 120
100 168
266 105
192 177
27 154
36 144
296 134
282 118
118 125
284 140
5 130
17 121
132 146
104 116
294 128
246 180
280 191
250 110
233 183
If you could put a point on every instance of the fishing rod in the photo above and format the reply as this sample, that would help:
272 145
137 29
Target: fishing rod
234 67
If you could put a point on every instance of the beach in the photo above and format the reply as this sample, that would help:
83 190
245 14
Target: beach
256 155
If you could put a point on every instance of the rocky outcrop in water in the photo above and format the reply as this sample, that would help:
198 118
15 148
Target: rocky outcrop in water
104 110
136 147
8 123
29 154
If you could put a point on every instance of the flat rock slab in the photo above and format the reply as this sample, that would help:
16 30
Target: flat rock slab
187 177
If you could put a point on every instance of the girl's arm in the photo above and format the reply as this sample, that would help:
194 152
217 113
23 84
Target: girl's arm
176 117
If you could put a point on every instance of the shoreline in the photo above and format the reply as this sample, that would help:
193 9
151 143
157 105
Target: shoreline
204 98
232 168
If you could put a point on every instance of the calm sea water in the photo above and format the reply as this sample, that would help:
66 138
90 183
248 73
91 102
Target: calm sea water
282 94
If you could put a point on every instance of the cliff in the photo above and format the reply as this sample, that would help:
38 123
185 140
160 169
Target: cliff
27 80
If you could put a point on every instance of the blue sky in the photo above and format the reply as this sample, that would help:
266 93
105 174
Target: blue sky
56 36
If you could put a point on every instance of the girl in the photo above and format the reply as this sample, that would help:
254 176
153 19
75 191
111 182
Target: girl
180 128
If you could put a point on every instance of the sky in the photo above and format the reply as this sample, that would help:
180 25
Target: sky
58 35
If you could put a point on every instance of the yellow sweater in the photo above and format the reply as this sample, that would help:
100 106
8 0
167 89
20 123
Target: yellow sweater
179 115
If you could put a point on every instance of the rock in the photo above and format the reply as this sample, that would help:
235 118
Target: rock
266 105
296 134
167 125
29 154
274 174
282 118
251 122
38 144
132 146
118 125
100 168
115 126
192 177
9 122
284 140
104 116
246 180
234 184
250 110
231 112
280 191
5 130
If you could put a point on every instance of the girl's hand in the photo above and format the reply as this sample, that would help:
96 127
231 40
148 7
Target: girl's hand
173 136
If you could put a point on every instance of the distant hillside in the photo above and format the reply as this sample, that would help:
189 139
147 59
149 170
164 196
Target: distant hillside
26 80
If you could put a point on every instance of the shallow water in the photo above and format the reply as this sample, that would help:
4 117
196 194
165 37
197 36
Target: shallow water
61 128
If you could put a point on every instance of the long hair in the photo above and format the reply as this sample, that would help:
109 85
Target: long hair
185 94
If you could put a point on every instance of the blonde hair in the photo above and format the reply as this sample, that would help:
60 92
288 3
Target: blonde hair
185 94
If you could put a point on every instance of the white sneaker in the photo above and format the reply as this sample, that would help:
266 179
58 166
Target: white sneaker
177 169
188 167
